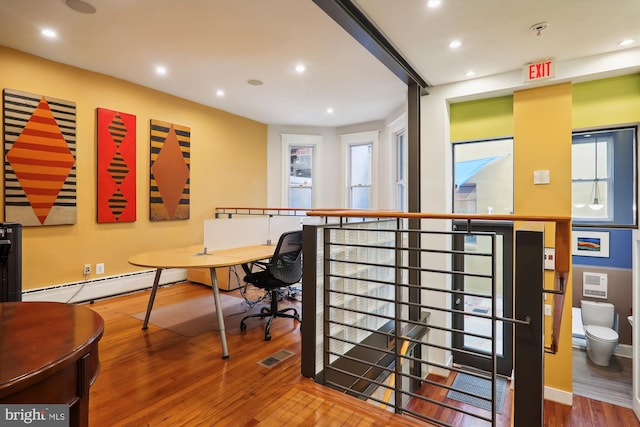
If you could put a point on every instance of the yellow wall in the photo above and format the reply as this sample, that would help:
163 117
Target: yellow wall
228 167
542 141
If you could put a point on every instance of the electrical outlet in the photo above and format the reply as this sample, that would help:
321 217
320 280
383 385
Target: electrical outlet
100 268
86 269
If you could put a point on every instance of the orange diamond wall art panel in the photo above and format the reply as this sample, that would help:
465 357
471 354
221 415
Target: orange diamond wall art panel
40 159
116 166
170 165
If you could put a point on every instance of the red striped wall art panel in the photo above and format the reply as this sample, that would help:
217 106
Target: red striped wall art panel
40 159
170 166
116 189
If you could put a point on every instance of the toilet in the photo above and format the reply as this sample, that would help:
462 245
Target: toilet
598 319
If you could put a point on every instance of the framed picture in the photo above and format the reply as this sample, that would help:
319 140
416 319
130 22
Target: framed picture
116 166
590 243
39 159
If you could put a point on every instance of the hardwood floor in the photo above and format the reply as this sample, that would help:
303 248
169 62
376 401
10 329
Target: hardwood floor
159 378
452 417
612 384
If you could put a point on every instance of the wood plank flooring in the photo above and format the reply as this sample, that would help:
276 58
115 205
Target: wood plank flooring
612 384
159 378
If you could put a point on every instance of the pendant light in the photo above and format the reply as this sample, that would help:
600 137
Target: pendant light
596 205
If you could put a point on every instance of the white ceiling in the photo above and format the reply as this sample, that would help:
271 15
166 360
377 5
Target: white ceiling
220 44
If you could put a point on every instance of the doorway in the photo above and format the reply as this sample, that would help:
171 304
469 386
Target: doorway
484 256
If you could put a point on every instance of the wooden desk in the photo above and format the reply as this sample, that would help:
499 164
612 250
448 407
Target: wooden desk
49 355
192 257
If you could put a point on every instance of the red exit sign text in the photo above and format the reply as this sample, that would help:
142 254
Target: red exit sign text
539 70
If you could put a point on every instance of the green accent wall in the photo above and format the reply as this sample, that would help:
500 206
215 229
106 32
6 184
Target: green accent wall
482 119
597 103
611 101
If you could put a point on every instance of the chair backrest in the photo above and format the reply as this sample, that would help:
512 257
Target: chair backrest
286 263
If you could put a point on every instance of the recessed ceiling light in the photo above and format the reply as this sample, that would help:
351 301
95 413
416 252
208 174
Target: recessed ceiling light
219 92
80 6
300 68
470 73
433 3
255 82
455 44
49 33
329 110
161 69
626 42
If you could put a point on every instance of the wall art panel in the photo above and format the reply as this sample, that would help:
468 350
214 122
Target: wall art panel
40 159
116 197
170 163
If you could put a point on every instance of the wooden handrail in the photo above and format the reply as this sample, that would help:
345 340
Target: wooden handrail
246 210
562 232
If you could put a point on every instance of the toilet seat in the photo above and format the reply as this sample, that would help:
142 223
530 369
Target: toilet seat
601 333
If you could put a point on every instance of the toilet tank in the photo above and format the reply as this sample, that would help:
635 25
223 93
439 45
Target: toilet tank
597 313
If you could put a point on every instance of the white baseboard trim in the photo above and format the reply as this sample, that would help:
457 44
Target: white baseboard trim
442 372
559 396
103 287
624 350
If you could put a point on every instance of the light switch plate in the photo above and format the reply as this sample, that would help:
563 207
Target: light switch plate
549 258
541 177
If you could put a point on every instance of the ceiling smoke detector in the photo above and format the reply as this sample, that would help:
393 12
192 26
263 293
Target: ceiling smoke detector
539 28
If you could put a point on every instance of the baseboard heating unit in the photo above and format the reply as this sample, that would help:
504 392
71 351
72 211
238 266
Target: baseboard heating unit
103 287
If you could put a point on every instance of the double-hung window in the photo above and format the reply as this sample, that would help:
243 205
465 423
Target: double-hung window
300 158
401 171
360 152
604 177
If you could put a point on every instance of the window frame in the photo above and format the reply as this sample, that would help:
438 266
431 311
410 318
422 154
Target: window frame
290 141
358 139
456 144
401 165
618 178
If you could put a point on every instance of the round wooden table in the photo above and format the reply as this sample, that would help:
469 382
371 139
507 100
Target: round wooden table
49 355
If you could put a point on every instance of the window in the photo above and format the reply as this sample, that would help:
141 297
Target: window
483 176
300 176
300 155
360 155
604 177
401 171
360 176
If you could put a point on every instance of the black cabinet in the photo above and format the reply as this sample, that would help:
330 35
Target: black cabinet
10 262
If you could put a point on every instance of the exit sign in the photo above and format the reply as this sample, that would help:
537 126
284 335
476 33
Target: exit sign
539 70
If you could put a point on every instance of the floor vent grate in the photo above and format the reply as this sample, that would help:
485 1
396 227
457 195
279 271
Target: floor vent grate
275 358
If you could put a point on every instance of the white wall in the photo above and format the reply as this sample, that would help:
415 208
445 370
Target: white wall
326 178
330 175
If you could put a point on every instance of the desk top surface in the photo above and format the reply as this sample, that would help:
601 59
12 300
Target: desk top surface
193 256
36 337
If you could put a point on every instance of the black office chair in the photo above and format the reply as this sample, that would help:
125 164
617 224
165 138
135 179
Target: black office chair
283 269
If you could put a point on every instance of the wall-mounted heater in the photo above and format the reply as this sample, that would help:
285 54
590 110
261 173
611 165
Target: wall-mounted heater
594 285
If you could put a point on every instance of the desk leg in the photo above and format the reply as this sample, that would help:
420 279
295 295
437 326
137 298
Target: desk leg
216 298
152 297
